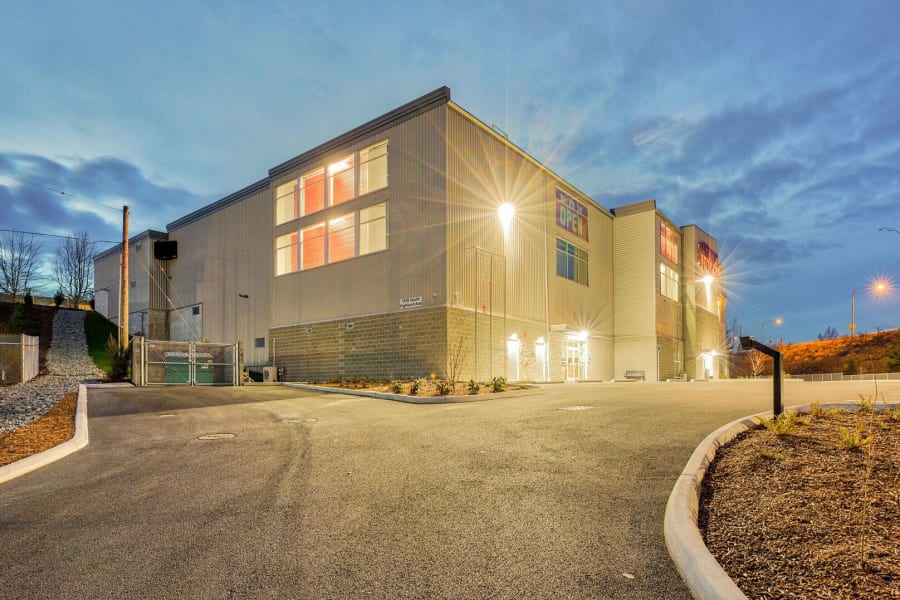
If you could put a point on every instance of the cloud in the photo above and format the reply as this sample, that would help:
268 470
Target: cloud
46 196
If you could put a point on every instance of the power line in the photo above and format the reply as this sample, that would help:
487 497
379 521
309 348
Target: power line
38 185
64 237
54 190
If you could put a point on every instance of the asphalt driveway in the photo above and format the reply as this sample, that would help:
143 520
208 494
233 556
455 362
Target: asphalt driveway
270 492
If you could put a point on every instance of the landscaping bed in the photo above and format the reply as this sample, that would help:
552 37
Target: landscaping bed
43 433
811 512
427 388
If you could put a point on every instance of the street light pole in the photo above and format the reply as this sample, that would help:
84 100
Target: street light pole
778 321
878 287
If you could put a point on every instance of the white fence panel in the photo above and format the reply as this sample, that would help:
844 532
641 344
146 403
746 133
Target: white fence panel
19 358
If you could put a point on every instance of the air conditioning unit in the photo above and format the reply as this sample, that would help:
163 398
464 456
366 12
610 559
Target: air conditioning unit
270 374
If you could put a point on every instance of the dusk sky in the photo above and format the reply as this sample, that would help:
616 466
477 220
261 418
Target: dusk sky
774 126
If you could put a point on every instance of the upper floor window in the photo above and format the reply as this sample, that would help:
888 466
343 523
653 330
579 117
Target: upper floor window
312 191
351 176
373 173
344 237
286 253
341 180
668 242
373 228
571 262
286 202
668 282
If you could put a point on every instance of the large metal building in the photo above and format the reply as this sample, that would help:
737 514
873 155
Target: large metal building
424 242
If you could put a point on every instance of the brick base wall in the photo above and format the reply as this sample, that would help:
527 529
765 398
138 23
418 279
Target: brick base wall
398 345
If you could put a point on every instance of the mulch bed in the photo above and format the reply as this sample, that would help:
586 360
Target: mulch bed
52 429
801 516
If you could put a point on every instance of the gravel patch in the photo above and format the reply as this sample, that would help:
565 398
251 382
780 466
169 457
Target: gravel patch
68 364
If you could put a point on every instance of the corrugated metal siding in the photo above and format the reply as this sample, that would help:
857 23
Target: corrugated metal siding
413 265
636 274
227 253
484 173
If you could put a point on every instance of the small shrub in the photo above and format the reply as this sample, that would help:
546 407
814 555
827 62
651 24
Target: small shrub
29 299
336 379
444 388
397 386
854 440
119 359
58 298
474 387
498 384
784 424
771 455
816 410
866 404
414 387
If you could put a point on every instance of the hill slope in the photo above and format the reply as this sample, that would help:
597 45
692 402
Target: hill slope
864 353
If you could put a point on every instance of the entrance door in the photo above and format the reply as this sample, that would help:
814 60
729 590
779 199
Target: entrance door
575 360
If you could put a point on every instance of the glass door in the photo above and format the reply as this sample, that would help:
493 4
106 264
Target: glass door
575 360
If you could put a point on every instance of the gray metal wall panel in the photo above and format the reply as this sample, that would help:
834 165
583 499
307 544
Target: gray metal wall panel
229 252
414 263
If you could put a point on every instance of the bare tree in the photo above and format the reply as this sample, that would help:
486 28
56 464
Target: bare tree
757 361
18 262
75 267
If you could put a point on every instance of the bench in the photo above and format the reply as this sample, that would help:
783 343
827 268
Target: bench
635 375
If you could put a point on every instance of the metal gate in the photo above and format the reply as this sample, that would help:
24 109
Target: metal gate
188 363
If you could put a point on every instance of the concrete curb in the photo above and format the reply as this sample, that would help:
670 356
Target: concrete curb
42 459
415 399
698 568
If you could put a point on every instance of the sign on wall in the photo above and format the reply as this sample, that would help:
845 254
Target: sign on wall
411 302
571 215
707 258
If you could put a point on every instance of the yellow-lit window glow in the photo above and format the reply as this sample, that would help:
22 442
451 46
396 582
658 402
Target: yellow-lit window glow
373 168
341 181
286 202
286 253
373 229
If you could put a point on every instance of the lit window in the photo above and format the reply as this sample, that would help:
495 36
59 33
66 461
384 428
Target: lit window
312 246
668 242
341 181
373 171
668 282
312 191
286 202
571 262
341 234
286 254
373 229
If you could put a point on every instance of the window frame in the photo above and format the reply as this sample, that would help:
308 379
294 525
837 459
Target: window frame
668 281
576 261
668 242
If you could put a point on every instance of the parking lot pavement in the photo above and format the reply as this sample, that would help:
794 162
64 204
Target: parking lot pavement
274 492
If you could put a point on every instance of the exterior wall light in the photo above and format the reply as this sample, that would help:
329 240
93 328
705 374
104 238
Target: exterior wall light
506 212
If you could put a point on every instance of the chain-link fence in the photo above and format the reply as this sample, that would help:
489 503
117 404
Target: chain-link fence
188 363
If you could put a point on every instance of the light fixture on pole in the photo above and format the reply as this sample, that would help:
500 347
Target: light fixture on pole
778 321
876 287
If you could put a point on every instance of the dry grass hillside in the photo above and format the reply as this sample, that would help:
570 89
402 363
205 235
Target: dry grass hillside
864 353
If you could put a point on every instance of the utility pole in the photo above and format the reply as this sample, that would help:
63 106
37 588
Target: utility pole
123 297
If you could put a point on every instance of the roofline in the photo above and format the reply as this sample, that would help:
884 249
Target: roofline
218 205
411 109
529 157
140 237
